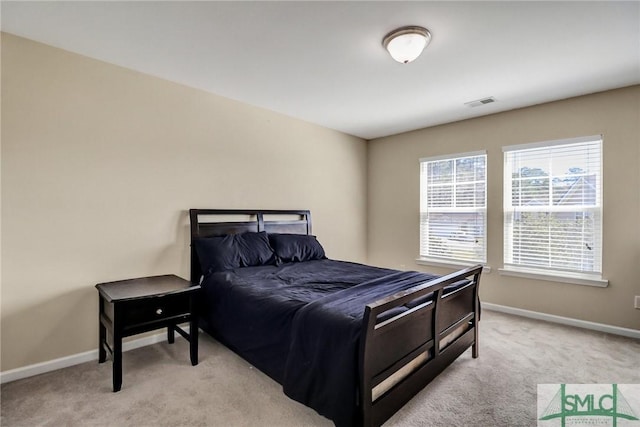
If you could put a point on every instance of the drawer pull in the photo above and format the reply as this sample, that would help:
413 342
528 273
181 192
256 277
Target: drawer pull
159 311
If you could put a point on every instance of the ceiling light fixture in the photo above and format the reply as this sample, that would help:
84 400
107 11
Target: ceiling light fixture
405 44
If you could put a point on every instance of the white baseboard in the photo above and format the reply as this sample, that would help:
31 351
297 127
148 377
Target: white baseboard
75 359
600 327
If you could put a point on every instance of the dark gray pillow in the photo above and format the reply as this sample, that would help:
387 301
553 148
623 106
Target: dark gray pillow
296 247
221 253
254 249
218 253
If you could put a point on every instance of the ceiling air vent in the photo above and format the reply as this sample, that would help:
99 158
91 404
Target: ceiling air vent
480 102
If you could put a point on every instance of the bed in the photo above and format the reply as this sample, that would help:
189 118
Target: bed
353 342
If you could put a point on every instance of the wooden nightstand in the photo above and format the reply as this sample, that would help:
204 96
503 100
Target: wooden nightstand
130 307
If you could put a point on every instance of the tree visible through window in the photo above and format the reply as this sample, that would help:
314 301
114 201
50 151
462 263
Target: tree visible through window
453 208
553 206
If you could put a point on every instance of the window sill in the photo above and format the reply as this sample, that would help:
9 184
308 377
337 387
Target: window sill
555 277
458 265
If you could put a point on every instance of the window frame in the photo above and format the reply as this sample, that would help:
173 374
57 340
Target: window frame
434 260
511 268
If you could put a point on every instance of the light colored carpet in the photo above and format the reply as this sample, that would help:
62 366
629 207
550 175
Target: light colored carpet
161 388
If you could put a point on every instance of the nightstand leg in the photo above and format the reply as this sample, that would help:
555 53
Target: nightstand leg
117 362
102 333
171 333
102 353
193 339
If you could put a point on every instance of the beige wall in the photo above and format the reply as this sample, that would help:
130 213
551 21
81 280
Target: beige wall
393 199
100 164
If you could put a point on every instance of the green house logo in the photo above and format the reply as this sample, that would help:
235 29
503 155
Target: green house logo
589 405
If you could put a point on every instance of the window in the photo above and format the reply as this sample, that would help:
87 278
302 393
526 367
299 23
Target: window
453 208
553 209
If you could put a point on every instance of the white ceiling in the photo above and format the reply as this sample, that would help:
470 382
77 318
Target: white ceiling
323 62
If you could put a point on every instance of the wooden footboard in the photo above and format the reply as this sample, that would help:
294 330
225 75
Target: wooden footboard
402 354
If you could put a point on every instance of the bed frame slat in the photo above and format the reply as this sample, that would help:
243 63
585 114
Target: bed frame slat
388 404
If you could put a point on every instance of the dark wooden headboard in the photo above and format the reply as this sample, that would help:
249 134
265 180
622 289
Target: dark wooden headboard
218 222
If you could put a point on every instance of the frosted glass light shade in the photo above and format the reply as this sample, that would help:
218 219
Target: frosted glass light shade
407 43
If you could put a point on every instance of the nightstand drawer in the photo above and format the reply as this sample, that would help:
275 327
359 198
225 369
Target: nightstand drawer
147 310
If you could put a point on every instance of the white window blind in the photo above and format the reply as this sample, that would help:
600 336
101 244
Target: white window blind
552 206
453 207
